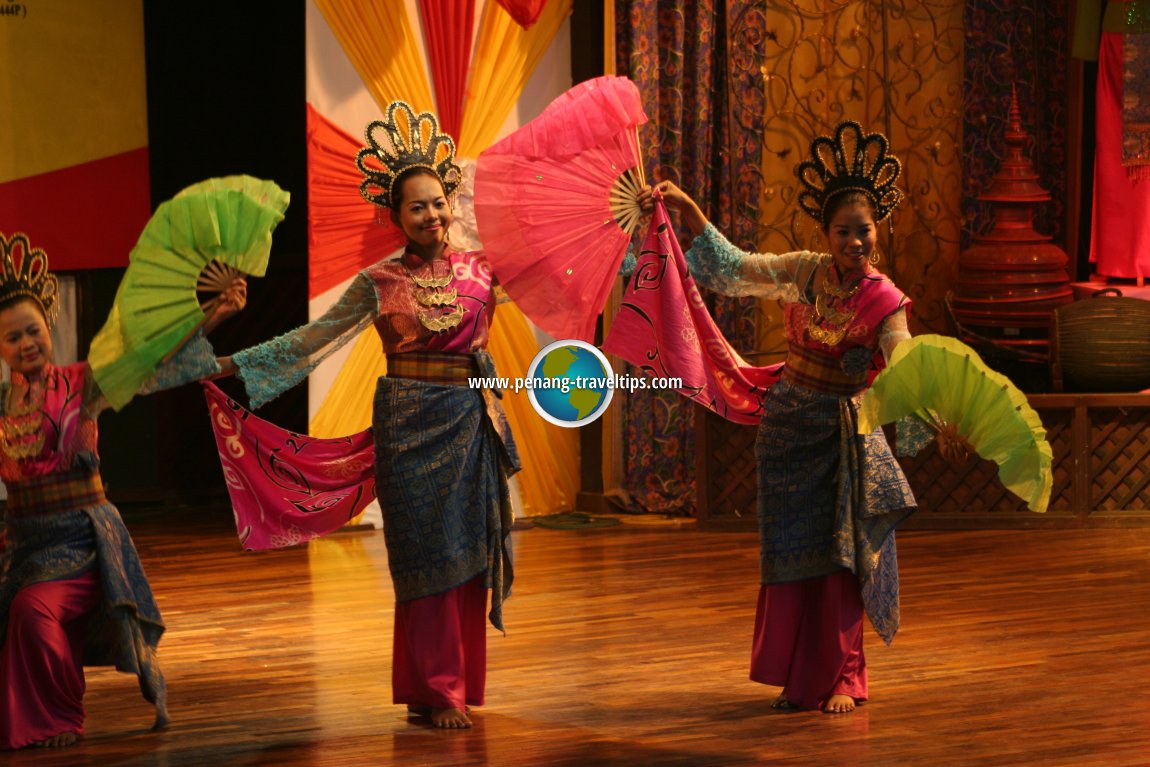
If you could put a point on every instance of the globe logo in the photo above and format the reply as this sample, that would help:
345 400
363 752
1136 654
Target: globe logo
570 383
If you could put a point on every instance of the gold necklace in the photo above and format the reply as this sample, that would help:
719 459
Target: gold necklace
429 292
832 317
23 423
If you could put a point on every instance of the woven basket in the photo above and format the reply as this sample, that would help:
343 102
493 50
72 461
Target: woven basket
1101 344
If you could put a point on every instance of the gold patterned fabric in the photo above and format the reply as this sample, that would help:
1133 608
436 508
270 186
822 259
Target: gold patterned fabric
51 493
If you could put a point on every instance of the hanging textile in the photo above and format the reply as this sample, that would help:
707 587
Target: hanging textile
380 43
345 234
505 58
663 327
288 488
525 12
448 26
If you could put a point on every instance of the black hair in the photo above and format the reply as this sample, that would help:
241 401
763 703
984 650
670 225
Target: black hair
15 299
842 200
401 179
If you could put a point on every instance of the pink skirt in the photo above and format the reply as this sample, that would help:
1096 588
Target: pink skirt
439 655
809 639
41 662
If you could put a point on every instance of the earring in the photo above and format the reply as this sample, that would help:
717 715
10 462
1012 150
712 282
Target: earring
874 257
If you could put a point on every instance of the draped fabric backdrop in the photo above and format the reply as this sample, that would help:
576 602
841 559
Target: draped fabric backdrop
735 101
74 130
477 85
697 65
1023 44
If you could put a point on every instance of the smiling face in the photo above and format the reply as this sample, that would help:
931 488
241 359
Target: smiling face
424 213
25 343
852 236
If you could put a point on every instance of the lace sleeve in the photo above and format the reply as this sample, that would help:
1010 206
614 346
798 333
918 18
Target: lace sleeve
717 264
630 261
911 434
894 330
275 366
194 362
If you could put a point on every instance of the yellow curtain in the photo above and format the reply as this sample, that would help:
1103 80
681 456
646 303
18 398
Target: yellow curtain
379 40
505 56
346 409
549 453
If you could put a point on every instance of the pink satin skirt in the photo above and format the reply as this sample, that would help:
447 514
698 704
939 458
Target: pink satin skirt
809 639
439 655
41 662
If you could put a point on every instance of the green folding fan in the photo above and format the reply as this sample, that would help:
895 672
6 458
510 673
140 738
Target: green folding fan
195 244
944 383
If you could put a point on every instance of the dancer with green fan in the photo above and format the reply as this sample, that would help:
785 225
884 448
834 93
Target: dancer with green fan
830 493
72 587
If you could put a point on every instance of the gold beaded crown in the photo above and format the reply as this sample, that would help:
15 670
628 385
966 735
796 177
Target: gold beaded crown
30 277
851 161
402 141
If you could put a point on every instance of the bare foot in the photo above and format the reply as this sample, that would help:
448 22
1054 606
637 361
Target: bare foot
782 704
839 704
450 719
162 719
418 709
58 741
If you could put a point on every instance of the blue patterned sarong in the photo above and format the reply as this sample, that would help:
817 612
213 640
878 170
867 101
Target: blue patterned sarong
442 458
125 629
829 498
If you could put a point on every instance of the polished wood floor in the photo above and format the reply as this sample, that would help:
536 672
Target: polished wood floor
629 646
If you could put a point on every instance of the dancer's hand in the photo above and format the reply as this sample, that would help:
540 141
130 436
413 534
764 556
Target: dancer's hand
227 368
952 446
675 199
233 300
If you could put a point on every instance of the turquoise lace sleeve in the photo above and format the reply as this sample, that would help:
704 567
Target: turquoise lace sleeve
196 361
275 366
629 262
714 262
721 266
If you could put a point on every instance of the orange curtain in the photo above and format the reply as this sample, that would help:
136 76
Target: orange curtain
345 233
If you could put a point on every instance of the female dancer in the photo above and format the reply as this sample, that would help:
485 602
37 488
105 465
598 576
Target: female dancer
72 589
443 451
828 498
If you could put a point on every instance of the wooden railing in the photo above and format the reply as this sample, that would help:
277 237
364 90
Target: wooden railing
1101 446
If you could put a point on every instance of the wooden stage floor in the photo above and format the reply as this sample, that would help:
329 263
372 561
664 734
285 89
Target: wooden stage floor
629 646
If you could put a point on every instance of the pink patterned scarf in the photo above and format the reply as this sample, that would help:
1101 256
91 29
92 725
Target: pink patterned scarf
288 488
664 328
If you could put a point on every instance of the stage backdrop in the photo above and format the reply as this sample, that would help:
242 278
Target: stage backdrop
736 91
485 74
73 128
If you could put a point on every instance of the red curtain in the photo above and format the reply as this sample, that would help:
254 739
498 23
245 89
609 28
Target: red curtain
525 12
448 28
345 233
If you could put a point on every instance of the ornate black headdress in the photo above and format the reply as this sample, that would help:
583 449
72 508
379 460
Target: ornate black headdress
28 275
851 161
404 140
